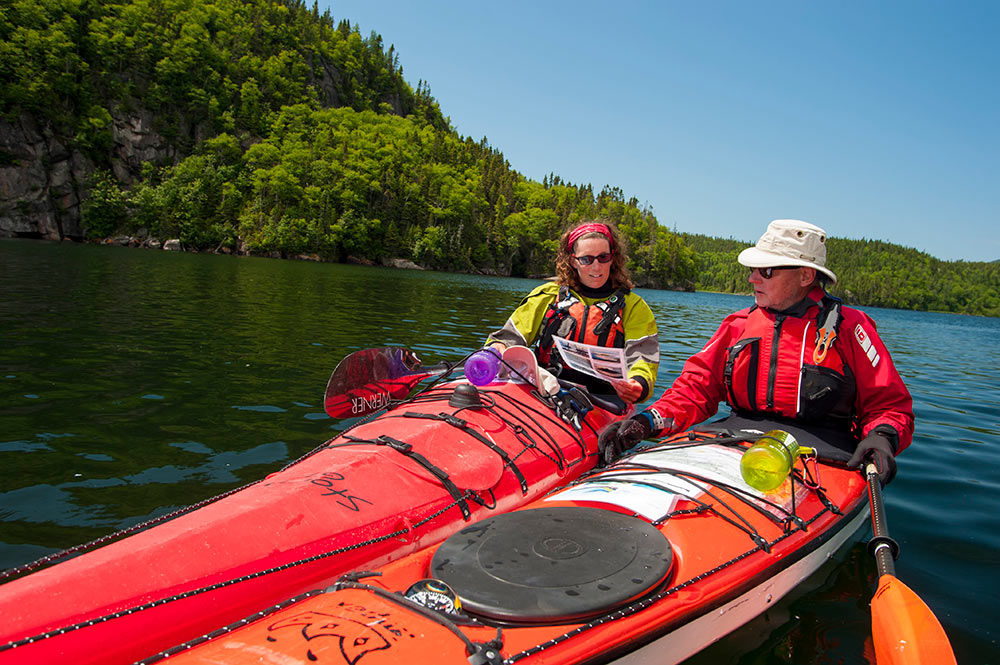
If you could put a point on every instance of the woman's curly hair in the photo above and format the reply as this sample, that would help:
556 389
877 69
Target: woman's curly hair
566 273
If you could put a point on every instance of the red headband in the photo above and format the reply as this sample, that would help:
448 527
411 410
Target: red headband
584 229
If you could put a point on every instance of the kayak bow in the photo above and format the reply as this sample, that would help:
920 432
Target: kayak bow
384 487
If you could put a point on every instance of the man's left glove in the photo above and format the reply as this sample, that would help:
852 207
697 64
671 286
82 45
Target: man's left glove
880 447
624 435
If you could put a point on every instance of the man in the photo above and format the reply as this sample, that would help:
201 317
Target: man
796 360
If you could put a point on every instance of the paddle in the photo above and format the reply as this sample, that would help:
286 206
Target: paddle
366 380
904 629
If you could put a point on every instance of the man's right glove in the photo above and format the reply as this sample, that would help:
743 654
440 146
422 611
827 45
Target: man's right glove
623 435
880 447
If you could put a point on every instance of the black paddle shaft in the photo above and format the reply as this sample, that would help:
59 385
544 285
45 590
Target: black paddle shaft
881 546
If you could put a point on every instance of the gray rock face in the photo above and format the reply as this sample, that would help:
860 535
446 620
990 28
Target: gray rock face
135 142
39 183
43 181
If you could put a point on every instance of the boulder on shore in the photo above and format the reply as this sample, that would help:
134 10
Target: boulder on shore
405 264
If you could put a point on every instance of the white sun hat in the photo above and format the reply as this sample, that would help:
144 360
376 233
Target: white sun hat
789 242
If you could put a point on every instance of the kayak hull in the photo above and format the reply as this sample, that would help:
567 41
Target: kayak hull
697 634
734 552
382 489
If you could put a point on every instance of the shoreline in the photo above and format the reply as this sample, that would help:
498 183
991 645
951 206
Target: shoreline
174 245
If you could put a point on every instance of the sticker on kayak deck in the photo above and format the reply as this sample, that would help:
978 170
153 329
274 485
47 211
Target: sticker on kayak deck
353 639
653 498
654 495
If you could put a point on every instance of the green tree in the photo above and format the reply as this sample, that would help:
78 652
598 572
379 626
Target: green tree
105 210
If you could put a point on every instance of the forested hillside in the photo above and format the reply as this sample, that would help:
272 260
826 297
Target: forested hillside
289 134
266 127
869 272
203 67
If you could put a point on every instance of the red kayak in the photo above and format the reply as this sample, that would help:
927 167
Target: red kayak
385 487
648 561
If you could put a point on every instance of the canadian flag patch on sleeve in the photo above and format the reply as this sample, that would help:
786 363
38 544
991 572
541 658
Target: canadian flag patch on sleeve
866 345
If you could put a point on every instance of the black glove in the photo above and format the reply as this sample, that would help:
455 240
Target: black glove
618 437
881 449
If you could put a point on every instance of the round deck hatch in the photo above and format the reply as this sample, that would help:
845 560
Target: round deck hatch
552 564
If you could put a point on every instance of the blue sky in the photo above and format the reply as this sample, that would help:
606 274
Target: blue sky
871 119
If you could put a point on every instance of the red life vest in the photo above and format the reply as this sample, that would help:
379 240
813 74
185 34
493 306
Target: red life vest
782 365
568 317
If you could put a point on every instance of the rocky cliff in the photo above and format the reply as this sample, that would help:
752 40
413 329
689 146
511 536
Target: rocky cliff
40 182
43 180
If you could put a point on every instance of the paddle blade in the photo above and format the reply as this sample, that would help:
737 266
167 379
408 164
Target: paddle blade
904 629
366 380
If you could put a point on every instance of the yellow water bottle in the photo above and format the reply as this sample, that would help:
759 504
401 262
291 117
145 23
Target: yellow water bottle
766 464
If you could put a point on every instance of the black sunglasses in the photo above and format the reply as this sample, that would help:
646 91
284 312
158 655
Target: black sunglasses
767 273
586 260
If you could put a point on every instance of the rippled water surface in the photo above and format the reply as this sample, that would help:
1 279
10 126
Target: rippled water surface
135 382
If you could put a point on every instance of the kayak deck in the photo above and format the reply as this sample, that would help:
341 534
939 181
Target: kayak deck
733 552
382 489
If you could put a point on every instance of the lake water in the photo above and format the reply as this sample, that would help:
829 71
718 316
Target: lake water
135 382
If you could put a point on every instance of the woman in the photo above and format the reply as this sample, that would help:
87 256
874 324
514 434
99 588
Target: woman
590 301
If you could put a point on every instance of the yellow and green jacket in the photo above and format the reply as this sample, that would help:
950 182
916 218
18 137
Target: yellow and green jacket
641 343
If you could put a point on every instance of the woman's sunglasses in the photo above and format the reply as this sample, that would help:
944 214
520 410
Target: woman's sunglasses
767 273
586 260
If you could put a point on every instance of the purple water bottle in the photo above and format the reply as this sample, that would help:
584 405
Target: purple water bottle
482 366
